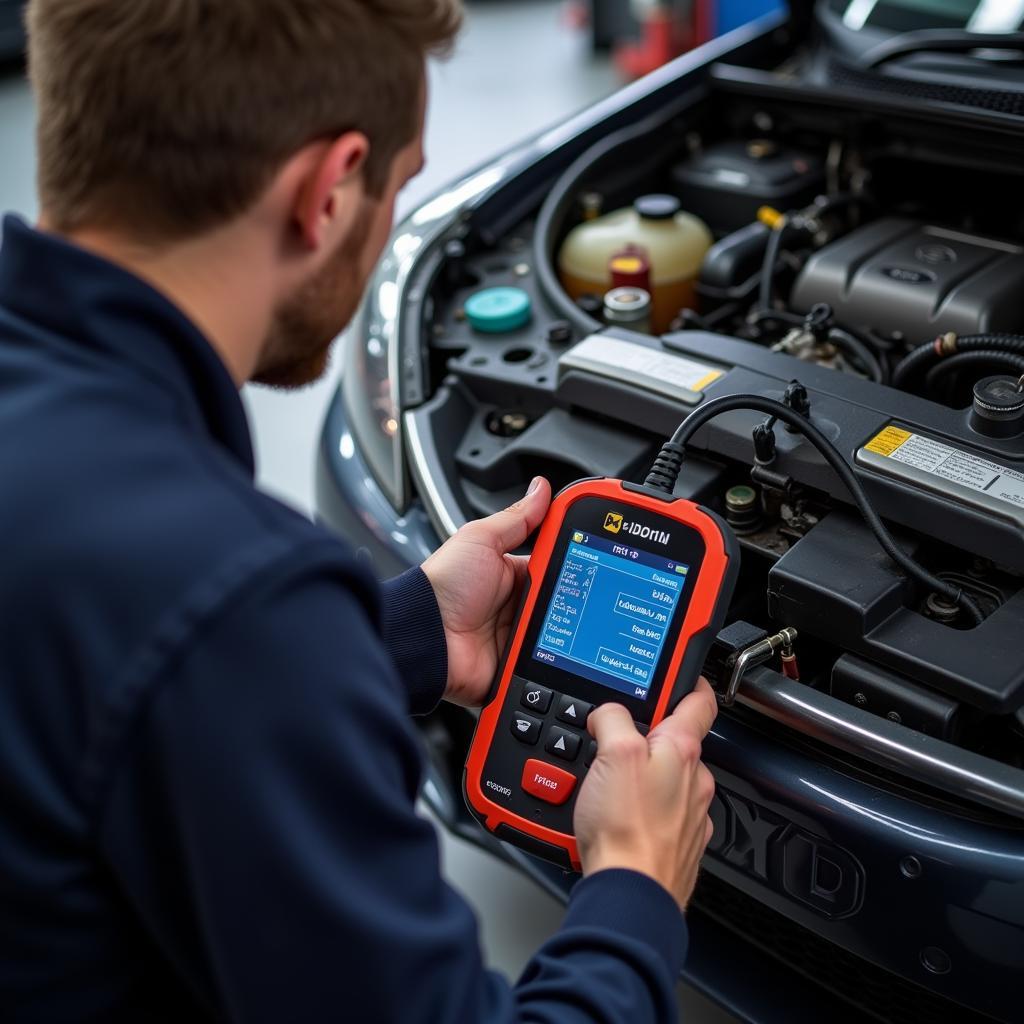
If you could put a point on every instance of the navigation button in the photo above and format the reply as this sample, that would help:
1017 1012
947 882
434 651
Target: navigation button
562 743
573 711
536 698
591 754
546 782
525 728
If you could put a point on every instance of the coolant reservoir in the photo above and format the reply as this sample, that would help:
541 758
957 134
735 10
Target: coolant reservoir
672 242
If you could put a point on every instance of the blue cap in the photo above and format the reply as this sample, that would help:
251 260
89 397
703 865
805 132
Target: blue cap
496 310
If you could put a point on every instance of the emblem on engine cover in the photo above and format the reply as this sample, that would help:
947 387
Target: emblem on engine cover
791 860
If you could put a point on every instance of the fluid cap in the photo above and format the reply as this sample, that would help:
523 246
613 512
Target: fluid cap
998 409
657 206
497 310
630 306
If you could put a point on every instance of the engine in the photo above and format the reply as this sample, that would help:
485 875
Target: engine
735 253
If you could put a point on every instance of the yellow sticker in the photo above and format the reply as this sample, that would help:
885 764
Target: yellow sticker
709 378
888 441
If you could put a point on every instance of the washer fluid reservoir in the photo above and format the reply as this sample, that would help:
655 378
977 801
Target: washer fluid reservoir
672 241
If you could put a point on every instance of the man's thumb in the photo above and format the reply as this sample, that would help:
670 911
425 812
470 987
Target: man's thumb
511 527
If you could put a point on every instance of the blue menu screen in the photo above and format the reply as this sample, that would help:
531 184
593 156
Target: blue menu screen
610 613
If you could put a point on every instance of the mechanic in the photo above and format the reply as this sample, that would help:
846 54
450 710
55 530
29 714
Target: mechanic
207 772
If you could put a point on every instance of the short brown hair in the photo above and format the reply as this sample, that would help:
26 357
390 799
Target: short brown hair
172 116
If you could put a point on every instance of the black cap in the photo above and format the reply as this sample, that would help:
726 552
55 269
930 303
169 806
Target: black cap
657 206
998 409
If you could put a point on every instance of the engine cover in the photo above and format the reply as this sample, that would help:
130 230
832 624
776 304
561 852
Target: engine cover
900 275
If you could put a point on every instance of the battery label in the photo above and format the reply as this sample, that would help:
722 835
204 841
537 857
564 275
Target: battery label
644 366
931 462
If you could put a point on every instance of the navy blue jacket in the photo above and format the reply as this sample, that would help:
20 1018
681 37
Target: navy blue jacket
207 769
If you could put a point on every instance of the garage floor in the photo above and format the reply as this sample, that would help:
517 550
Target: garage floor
517 69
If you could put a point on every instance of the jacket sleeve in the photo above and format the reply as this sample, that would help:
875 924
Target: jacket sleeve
260 822
414 637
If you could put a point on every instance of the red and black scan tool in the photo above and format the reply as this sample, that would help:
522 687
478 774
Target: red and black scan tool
627 589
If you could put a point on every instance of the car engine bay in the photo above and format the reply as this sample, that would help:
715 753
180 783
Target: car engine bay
880 263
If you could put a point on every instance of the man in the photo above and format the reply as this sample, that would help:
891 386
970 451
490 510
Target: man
207 776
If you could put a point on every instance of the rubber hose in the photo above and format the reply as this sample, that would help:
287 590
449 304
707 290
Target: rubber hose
924 354
964 360
849 345
828 451
771 257
778 315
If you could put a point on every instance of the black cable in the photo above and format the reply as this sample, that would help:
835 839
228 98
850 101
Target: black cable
991 358
844 339
665 472
691 318
780 316
849 344
771 257
720 315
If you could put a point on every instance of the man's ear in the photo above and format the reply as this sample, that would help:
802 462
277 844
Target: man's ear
329 199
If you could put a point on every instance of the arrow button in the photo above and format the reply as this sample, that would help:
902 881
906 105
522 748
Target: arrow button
562 743
573 711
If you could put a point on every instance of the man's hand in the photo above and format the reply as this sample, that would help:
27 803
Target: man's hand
477 584
644 803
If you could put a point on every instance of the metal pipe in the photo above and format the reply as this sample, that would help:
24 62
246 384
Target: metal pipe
931 761
757 654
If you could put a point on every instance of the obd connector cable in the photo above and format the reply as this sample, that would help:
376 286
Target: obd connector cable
665 472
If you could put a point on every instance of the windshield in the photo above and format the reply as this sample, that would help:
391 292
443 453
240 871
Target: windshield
911 15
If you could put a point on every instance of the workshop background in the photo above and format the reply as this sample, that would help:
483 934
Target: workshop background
520 66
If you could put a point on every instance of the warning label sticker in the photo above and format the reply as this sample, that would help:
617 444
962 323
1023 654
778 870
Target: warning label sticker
647 367
942 462
888 440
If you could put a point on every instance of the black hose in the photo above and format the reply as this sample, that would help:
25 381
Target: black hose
844 339
771 257
965 360
692 319
934 351
780 316
850 345
670 459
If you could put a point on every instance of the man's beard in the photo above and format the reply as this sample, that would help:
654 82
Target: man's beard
298 346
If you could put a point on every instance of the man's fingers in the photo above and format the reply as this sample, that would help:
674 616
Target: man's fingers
695 713
612 725
510 528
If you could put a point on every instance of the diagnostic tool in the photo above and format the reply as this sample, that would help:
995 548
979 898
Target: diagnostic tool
627 589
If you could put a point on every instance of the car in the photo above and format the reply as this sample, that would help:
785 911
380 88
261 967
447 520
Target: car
12 29
843 180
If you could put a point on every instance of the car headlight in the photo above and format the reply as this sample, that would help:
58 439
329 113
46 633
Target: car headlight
371 377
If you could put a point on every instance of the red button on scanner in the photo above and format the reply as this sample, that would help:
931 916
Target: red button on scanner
546 782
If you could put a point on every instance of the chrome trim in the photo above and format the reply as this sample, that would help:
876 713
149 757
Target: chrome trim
433 502
924 758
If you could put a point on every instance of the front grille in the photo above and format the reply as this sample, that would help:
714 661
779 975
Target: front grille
873 991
